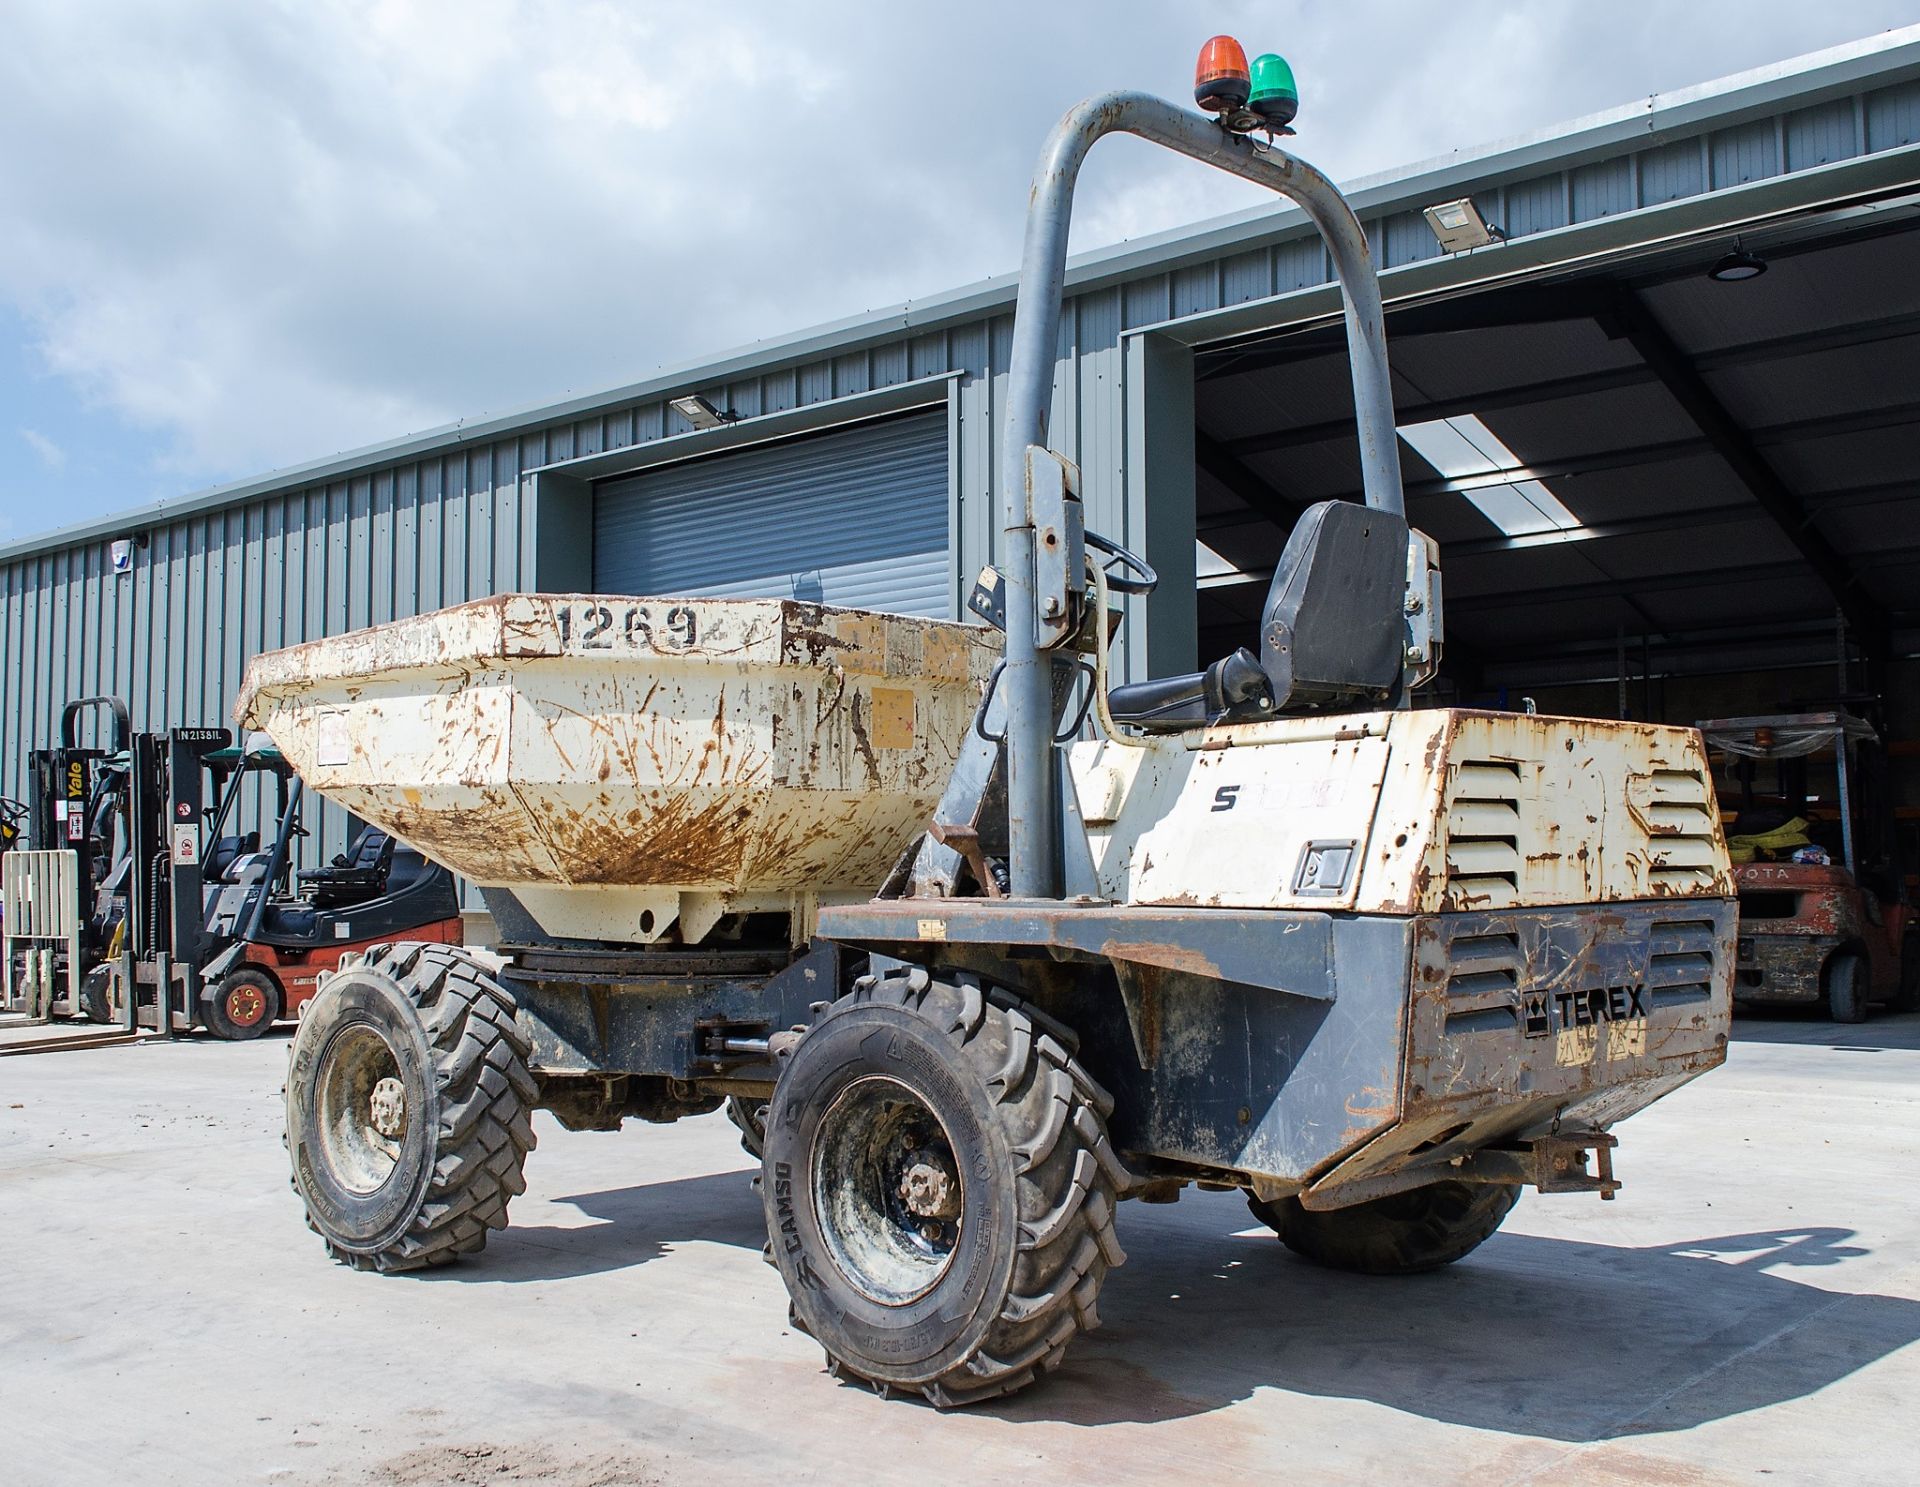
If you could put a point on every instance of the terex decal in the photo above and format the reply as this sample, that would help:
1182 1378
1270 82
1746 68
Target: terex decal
1545 1012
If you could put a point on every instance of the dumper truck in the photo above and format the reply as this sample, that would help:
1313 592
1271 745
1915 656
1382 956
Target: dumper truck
974 943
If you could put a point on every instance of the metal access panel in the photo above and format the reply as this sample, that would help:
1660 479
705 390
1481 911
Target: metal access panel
856 517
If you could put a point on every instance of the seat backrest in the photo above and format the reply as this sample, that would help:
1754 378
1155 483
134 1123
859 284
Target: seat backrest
1334 629
367 850
224 852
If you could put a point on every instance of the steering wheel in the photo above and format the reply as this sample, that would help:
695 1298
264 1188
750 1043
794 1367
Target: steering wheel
1119 563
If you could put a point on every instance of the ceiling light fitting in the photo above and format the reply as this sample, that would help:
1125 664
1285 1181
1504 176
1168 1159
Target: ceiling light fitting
1736 266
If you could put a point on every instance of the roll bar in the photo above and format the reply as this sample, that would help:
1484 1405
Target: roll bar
70 719
1034 855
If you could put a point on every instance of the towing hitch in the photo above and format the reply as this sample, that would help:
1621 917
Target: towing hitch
1553 1164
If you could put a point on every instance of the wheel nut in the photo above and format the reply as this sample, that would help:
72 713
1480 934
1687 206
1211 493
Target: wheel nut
389 1108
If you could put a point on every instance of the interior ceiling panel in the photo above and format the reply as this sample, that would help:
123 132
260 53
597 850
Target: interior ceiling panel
1259 402
1655 554
1619 418
1693 482
1848 461
1542 622
1466 361
1557 565
1878 526
1758 602
1788 389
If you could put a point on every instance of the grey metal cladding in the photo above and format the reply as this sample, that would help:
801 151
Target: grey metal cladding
857 517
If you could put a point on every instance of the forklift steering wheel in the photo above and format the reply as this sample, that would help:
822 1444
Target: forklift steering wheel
1120 563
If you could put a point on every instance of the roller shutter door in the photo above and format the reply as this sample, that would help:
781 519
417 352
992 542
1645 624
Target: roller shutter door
855 517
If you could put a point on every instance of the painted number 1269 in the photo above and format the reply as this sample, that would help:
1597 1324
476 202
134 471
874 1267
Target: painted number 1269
600 627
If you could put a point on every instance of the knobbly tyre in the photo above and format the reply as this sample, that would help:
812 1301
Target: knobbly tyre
1269 928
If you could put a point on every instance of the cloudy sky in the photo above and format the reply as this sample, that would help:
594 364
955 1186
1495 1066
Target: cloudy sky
240 234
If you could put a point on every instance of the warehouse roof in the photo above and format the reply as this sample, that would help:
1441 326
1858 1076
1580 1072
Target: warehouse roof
1383 200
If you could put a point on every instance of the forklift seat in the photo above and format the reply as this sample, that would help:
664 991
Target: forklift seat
356 875
1332 635
226 851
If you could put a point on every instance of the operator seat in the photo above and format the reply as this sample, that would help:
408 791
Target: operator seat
356 875
228 850
1333 634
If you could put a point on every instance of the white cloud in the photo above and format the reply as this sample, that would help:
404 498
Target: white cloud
269 229
49 453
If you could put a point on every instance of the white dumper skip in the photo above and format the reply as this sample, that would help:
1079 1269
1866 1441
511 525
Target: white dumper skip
635 771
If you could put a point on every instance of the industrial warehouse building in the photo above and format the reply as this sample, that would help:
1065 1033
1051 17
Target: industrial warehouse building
1661 489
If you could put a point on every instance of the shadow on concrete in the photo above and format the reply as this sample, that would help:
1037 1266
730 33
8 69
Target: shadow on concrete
1561 1339
633 1226
1811 1027
1554 1338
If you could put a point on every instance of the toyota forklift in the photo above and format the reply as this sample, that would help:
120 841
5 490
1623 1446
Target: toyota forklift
273 932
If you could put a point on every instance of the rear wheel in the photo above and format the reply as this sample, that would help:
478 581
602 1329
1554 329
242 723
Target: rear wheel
1845 987
409 1108
940 1188
245 1004
749 1117
1401 1234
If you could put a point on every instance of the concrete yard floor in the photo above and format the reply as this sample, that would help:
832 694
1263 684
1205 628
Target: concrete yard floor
1747 1311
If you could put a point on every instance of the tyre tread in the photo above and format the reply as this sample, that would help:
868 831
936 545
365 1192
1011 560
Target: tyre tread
1052 1114
485 1129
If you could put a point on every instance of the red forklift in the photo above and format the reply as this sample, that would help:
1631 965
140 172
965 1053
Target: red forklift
271 931
1825 915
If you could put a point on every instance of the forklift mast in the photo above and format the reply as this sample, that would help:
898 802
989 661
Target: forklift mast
166 910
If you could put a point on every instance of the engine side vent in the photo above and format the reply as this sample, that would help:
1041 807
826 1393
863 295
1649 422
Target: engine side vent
1679 962
1483 981
1678 817
1483 835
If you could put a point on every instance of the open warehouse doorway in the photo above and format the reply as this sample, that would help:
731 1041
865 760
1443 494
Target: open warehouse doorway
1675 482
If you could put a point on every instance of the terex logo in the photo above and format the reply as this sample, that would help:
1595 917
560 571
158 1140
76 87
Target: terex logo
1544 1012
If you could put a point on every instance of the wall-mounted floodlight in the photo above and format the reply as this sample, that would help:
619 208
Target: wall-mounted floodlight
701 413
1459 225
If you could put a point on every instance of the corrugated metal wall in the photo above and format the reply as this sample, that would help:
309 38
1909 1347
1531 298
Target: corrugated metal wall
406 536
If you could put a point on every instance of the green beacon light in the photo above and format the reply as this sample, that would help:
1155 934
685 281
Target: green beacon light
1273 95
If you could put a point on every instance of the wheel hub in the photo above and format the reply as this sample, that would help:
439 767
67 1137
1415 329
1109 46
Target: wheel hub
360 1107
888 1190
388 1108
930 1188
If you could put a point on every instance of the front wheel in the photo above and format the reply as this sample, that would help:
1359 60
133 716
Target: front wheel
244 1005
409 1108
940 1188
1401 1234
1845 989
